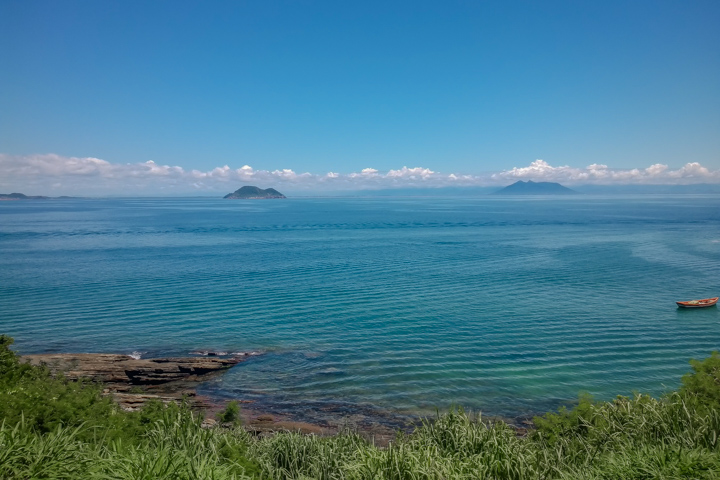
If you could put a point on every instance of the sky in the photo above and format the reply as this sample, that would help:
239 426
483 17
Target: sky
178 97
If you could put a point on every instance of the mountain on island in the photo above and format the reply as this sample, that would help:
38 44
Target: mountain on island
249 192
20 196
535 188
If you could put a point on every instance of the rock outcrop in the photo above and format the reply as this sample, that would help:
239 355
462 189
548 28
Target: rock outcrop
132 382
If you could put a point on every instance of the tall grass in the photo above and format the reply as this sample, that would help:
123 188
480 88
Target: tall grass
174 448
25 454
637 437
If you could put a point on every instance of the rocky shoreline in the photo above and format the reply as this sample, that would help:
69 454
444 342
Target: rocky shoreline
132 382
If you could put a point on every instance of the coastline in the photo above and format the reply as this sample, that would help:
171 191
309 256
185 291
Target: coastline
643 431
132 382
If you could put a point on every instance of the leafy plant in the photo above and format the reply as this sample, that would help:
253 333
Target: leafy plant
231 413
703 384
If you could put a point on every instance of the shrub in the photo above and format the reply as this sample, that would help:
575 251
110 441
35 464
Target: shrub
703 384
554 426
231 414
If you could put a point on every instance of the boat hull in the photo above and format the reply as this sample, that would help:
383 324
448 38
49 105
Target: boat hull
705 302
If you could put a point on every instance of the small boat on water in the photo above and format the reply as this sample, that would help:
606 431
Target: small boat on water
705 302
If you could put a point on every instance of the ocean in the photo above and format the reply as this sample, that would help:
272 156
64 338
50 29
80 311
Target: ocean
377 306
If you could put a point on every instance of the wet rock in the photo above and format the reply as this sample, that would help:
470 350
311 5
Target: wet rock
123 369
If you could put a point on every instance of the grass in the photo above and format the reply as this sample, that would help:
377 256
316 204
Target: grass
51 428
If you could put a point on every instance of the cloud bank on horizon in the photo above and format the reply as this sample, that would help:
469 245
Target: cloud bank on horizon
55 174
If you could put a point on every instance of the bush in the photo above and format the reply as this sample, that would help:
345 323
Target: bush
703 385
554 426
231 414
43 402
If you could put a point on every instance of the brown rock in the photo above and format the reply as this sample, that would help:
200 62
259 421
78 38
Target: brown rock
132 382
110 368
208 423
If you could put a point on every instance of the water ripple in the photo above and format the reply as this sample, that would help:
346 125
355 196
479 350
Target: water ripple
410 304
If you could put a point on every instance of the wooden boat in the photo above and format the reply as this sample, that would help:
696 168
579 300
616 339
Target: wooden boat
705 302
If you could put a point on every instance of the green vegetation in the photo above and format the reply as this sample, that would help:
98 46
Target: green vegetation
703 385
52 428
231 414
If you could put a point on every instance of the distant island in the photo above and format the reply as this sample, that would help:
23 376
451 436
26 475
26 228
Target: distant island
535 188
20 196
248 192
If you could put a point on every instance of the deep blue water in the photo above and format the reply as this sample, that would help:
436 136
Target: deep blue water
508 305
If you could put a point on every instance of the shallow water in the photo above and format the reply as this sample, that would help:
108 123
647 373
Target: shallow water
507 305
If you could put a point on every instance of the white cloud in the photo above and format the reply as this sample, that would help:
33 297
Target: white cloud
539 170
411 173
54 174
52 164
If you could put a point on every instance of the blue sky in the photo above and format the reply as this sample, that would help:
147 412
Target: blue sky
95 90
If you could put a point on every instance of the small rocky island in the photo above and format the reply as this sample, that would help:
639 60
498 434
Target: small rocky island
254 193
535 188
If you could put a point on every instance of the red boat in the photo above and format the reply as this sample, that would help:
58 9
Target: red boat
705 302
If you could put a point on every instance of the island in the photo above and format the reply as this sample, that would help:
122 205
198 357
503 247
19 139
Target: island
535 188
20 196
254 193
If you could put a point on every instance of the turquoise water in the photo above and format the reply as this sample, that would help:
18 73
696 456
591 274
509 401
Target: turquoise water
507 305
